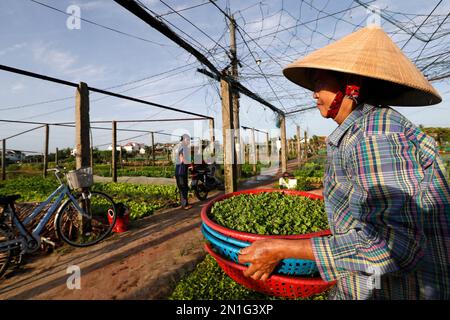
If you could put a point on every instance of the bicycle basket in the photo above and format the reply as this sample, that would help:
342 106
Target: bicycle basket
80 178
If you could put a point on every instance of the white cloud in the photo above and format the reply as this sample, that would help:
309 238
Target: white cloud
17 87
12 48
57 59
64 62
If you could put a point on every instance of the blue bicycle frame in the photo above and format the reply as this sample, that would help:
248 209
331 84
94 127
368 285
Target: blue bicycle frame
61 191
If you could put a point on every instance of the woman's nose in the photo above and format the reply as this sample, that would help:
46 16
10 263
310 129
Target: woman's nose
315 95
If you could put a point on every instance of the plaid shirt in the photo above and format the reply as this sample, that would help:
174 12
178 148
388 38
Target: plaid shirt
388 204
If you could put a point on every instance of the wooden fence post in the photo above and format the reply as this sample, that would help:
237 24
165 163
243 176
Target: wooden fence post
4 159
47 133
254 157
82 125
153 149
306 146
299 150
283 144
114 151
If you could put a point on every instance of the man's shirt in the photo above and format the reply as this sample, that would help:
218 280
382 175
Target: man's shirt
387 198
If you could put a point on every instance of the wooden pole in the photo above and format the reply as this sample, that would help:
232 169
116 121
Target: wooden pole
267 146
4 159
153 149
120 157
229 164
283 144
299 159
247 153
212 137
253 151
306 145
82 126
91 160
47 131
114 151
56 156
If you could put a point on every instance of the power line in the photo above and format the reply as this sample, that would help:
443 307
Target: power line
181 10
431 37
404 45
192 24
99 25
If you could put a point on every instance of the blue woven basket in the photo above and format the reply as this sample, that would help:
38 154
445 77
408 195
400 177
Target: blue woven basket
229 248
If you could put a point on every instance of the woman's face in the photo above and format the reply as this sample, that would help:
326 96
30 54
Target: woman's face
325 88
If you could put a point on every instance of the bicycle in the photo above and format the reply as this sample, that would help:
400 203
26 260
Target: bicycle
81 220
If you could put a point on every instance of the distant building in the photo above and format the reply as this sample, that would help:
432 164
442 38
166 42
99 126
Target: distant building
14 155
131 147
117 148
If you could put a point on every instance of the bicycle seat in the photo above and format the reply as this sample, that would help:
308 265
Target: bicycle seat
8 199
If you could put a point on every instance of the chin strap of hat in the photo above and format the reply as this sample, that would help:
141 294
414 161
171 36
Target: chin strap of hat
351 92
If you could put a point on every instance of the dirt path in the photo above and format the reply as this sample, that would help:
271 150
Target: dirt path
142 263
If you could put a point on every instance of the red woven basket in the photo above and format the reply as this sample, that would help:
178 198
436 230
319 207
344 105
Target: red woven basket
276 285
250 237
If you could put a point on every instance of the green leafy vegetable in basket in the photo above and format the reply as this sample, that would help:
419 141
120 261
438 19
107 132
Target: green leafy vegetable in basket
209 282
270 213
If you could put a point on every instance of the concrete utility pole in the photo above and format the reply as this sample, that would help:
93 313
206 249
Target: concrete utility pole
82 125
46 150
229 164
283 144
114 151
235 98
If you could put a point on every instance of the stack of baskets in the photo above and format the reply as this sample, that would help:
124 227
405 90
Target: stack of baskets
291 279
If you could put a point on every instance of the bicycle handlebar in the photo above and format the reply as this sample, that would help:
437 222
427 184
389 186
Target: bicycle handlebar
57 169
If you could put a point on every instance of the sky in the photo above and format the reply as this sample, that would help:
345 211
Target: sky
145 64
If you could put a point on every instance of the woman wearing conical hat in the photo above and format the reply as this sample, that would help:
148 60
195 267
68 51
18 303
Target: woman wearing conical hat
385 188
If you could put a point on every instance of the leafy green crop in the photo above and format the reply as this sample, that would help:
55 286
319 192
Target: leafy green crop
143 200
209 282
270 213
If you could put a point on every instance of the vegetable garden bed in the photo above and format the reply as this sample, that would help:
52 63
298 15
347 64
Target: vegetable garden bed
143 200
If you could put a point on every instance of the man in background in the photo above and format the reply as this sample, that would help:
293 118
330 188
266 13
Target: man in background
182 160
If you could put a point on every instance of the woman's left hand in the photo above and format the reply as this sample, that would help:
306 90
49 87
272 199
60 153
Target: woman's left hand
263 256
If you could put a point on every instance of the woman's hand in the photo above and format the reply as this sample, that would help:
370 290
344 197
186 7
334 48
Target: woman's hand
263 256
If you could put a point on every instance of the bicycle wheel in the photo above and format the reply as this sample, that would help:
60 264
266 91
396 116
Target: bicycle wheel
90 227
5 254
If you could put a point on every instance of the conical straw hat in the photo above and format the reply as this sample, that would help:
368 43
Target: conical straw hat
371 53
